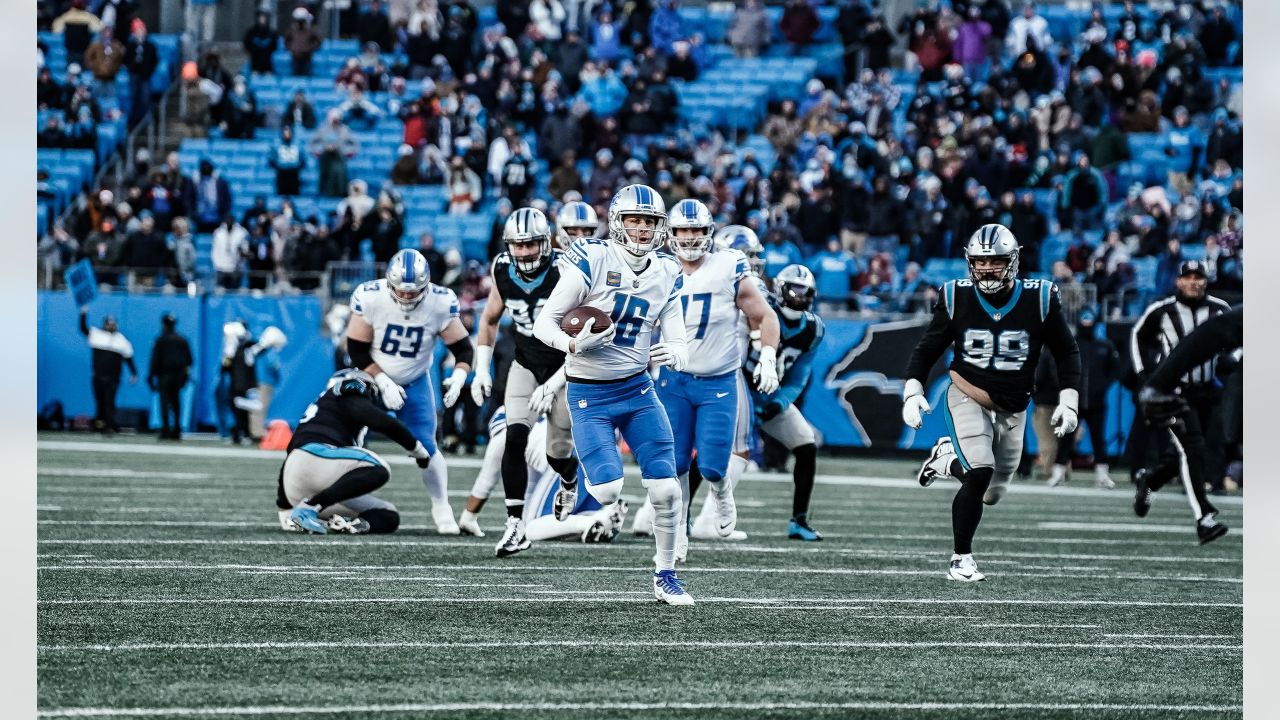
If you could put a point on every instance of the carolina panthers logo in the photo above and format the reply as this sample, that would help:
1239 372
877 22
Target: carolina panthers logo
868 380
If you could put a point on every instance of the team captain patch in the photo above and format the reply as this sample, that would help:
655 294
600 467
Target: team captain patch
613 279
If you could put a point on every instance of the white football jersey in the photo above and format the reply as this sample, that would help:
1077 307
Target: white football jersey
711 316
404 341
634 301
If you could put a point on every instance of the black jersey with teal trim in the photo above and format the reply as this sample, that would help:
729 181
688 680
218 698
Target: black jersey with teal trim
796 339
524 298
997 339
341 415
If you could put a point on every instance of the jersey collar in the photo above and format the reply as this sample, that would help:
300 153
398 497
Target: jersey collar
530 284
997 313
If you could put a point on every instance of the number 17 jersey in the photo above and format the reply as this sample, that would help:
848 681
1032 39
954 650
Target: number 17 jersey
404 340
710 302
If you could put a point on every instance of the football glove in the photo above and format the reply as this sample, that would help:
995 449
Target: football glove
482 383
1160 409
544 396
1065 418
586 340
392 394
766 373
452 386
273 337
914 406
671 356
420 455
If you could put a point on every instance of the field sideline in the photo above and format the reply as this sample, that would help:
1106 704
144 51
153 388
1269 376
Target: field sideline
166 590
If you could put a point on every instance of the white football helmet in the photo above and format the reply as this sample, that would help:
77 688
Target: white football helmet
690 213
408 277
796 288
574 216
352 381
638 200
992 242
744 240
528 226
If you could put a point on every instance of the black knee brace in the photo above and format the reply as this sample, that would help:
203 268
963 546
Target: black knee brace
381 520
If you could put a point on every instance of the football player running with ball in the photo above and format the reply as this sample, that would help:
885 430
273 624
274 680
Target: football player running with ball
609 387
523 278
703 400
392 335
997 325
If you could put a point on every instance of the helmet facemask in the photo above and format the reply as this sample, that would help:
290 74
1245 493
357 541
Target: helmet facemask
530 263
690 248
993 281
639 241
795 296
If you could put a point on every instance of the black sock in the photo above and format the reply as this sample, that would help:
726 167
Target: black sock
966 508
566 468
515 469
806 467
695 480
361 481
381 520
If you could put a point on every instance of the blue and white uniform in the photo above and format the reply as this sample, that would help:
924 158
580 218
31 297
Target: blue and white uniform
403 345
704 400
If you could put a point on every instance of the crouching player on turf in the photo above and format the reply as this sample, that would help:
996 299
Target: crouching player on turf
997 325
704 399
588 520
609 384
327 480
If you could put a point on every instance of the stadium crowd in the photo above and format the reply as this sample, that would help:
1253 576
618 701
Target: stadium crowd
867 181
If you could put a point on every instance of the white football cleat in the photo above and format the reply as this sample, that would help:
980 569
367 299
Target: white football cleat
565 501
938 463
726 509
643 524
667 588
1102 477
350 526
286 524
469 524
442 514
513 539
965 569
1058 476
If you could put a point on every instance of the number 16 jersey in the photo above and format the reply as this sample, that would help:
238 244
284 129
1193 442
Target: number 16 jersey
404 339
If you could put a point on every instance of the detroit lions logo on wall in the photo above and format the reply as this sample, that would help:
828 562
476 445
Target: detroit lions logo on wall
868 380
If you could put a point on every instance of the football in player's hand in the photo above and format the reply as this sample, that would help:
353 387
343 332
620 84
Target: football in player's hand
573 320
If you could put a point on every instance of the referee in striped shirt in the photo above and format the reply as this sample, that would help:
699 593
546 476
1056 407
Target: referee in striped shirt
1194 451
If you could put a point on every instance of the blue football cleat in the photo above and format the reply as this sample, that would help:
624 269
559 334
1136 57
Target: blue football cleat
801 531
306 517
669 589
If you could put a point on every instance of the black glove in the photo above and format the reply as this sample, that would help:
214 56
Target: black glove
1160 409
423 462
770 410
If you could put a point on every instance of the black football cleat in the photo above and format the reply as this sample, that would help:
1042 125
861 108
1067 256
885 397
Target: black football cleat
1142 494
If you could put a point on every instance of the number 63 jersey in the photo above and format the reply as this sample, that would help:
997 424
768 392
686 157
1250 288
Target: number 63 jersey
404 340
998 339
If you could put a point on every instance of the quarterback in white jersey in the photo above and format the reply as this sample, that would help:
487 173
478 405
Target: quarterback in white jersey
609 388
703 400
391 335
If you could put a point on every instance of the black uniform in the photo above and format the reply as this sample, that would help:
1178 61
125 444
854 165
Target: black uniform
170 368
524 298
997 339
1161 328
107 363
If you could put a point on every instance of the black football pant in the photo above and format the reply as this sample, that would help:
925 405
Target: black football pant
1096 420
104 398
1184 446
169 388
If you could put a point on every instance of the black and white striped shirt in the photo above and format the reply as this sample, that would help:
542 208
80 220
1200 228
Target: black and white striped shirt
1164 324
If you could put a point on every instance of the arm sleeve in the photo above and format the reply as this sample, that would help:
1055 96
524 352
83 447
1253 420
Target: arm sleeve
84 324
1225 332
463 352
568 294
364 412
1060 341
133 369
935 341
361 352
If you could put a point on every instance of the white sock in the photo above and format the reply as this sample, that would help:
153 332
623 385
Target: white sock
664 493
436 479
737 466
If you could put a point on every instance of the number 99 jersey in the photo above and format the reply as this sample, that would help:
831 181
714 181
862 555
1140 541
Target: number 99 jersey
997 348
404 340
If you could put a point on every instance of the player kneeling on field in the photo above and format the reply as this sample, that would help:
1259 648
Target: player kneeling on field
327 480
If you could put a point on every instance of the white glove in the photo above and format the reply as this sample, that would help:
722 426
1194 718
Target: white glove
586 340
766 374
541 400
913 404
482 383
1065 416
392 394
453 386
667 354
273 337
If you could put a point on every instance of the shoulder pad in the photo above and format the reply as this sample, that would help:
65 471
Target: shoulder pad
503 259
437 290
1047 291
948 293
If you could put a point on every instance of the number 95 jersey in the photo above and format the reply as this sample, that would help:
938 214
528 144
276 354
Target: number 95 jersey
404 340
997 347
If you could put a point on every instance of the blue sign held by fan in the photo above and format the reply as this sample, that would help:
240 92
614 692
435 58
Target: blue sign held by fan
82 282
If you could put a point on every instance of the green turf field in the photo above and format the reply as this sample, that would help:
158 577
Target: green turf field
167 590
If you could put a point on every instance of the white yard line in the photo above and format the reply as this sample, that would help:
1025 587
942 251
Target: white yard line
1125 527
604 644
475 464
1170 637
1052 626
119 473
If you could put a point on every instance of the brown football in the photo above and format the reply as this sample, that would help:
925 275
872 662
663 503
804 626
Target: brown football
573 320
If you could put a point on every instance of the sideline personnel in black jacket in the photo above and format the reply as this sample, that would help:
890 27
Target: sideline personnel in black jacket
169 371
